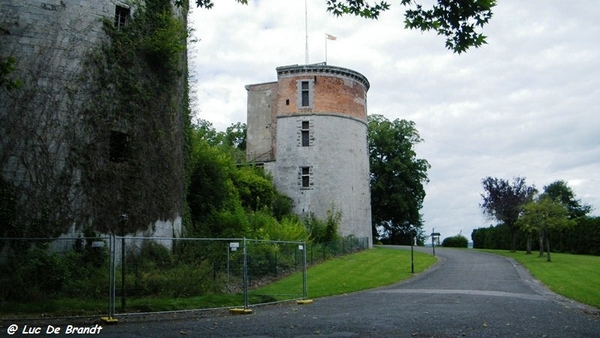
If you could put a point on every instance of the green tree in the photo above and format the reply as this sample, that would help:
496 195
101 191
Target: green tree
235 136
458 21
204 130
230 200
561 192
210 188
231 141
503 200
397 177
255 190
542 215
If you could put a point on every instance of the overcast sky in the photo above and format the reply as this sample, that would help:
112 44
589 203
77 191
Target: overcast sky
526 104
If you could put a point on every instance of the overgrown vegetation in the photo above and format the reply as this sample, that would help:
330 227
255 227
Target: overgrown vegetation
228 197
192 274
133 161
97 128
7 68
37 270
226 200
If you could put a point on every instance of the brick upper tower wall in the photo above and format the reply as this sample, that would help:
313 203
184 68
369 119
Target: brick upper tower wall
336 90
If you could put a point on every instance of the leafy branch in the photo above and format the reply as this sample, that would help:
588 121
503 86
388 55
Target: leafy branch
457 20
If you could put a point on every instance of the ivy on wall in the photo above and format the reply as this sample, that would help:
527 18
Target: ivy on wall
86 143
7 67
135 161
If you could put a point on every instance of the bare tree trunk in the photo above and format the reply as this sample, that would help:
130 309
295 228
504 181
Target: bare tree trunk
547 245
514 239
529 244
541 236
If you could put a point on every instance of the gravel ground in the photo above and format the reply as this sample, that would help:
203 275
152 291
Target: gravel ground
467 294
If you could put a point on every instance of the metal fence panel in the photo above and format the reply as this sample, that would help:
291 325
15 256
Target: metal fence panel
269 261
127 275
64 276
156 274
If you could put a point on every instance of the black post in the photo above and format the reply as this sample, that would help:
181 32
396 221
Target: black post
412 258
433 241
124 219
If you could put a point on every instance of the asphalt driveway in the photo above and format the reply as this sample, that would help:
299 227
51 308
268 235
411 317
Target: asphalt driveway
467 294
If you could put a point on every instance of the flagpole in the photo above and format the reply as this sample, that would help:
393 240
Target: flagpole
326 48
328 37
306 30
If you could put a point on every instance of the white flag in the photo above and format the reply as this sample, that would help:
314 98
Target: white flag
330 37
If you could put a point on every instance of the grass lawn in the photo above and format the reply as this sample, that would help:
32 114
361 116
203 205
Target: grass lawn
364 270
573 276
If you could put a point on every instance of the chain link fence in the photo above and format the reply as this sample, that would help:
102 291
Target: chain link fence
127 275
63 277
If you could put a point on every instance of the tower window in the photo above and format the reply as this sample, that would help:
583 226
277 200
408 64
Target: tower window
121 16
305 93
119 146
305 134
305 176
305 101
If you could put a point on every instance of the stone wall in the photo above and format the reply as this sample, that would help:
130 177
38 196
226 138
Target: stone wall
49 39
261 121
339 169
43 122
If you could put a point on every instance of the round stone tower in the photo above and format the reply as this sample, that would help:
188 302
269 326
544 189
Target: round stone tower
317 148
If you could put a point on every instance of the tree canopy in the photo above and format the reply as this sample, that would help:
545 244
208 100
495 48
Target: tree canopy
556 208
457 21
561 192
543 214
503 200
397 177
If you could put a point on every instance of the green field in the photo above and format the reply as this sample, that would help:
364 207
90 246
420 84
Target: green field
573 276
364 270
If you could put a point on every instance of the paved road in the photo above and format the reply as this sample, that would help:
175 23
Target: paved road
467 294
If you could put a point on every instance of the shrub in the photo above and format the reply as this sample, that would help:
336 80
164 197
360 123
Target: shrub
39 274
282 206
321 231
458 241
156 254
